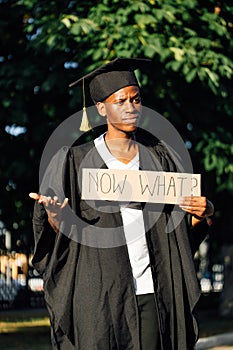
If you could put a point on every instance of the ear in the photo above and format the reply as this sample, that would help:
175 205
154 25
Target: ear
101 108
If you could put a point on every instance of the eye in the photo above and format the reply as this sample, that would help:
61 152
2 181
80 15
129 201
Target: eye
119 103
137 99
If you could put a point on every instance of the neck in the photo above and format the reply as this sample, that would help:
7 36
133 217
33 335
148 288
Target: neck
123 148
122 141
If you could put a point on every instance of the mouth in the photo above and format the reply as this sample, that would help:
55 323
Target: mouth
130 120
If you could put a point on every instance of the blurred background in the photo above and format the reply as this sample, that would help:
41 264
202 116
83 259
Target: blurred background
44 46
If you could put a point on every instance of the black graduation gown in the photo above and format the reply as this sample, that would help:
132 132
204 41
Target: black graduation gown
88 286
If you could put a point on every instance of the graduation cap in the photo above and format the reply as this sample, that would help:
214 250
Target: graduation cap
107 79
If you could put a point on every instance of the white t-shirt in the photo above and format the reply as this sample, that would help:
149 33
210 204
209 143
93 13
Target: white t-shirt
133 226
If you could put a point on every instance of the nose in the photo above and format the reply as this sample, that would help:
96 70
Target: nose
129 106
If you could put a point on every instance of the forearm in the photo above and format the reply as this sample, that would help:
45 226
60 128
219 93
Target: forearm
196 220
54 223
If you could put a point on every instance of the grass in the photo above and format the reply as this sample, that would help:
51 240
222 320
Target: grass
19 326
210 323
29 329
26 330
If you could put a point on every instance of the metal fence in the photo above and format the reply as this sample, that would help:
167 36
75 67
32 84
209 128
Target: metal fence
20 285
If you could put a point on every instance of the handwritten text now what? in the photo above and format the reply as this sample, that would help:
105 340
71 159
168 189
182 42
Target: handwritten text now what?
138 186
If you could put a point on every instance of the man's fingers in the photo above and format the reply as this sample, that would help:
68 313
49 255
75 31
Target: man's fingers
55 200
193 201
35 196
64 203
47 200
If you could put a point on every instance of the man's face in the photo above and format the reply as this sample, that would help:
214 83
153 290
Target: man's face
122 109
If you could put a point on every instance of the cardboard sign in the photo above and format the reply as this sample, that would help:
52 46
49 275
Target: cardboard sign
138 186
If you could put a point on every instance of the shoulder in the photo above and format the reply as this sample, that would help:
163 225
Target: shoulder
158 148
85 142
79 150
150 141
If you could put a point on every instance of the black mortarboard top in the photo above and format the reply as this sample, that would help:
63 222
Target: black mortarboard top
109 78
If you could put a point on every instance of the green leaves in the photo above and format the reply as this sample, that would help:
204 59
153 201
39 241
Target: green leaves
143 20
83 27
217 148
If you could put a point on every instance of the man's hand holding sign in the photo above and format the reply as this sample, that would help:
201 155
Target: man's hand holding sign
199 207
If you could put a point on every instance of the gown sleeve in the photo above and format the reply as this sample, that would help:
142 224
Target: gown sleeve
197 234
44 237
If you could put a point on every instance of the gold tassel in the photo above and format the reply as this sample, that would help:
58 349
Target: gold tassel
85 125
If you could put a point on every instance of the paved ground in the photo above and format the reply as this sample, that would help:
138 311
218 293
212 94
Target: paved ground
217 342
221 348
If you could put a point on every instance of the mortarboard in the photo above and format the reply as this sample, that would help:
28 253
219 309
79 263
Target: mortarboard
107 79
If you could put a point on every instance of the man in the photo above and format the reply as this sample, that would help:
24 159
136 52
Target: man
115 276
